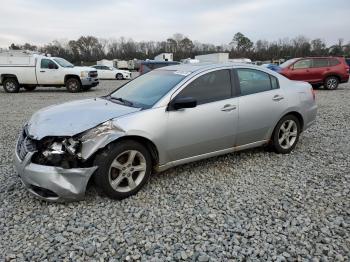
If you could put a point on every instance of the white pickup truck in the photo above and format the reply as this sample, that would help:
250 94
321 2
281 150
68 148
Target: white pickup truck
29 70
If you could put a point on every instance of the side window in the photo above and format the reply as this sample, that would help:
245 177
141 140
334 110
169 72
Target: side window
213 86
254 81
320 62
302 64
48 64
333 62
274 82
45 63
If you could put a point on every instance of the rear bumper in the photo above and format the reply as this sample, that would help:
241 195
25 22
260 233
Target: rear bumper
88 81
311 114
54 184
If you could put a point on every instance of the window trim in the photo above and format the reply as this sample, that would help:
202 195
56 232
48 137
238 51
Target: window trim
41 61
239 86
311 64
234 91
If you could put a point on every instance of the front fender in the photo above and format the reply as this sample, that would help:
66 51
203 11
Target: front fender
91 146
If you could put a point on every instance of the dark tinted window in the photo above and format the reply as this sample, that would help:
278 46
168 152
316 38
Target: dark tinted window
333 62
213 86
320 62
46 62
348 61
301 64
254 81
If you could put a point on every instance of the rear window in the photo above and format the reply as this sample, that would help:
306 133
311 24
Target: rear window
333 62
320 62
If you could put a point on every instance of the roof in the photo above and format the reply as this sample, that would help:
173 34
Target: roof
204 66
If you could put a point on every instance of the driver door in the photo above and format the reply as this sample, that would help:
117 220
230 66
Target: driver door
211 125
48 73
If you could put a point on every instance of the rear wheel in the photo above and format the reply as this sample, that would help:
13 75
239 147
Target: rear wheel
73 85
30 88
286 134
119 76
11 85
331 83
124 167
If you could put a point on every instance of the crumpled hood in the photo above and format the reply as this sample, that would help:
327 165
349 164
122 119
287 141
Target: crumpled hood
69 119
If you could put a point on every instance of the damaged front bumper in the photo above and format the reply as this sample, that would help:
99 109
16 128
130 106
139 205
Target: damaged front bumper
52 183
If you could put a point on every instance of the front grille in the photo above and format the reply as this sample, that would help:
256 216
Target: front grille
25 144
93 74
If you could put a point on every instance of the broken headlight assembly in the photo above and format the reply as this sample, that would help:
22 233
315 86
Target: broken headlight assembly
103 128
65 152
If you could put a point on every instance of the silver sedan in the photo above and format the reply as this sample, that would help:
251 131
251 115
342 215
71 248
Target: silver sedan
167 117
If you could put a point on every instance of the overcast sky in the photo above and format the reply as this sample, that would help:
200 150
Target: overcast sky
209 21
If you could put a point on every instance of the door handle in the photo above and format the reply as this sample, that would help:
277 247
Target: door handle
42 71
277 98
228 108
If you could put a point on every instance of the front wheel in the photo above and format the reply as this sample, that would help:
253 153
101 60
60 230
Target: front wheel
331 83
286 134
123 168
73 85
11 85
119 76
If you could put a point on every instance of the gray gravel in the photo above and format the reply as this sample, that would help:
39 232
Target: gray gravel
251 205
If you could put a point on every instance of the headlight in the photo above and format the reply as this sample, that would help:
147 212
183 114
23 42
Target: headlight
101 129
84 74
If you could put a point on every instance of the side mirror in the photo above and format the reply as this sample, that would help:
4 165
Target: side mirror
182 102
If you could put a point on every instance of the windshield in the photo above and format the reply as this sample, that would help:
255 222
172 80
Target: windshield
63 62
146 90
288 62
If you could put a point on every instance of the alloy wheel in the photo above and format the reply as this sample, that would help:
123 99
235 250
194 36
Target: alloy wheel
11 86
332 83
287 134
127 171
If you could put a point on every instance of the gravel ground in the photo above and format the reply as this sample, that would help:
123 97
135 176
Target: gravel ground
253 205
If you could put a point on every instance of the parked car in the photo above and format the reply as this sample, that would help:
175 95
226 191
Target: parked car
24 69
106 72
150 65
167 117
327 71
272 67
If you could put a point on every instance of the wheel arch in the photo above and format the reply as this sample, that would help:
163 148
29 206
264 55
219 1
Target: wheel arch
151 147
5 76
330 75
298 116
66 77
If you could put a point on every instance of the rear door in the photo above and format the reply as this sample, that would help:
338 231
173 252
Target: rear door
319 67
301 70
261 102
210 126
48 72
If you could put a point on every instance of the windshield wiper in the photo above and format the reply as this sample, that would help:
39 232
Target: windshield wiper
124 101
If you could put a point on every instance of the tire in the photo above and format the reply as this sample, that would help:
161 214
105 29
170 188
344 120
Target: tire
116 169
331 83
73 85
286 134
11 85
119 76
30 88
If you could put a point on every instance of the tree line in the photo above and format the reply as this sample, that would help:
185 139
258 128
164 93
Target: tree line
89 49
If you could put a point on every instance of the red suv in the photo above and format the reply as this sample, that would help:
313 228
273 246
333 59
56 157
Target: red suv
327 71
